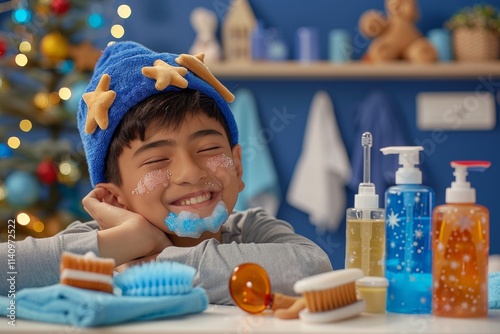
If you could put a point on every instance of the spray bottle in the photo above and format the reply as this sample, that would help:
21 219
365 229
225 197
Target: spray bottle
408 211
460 240
365 226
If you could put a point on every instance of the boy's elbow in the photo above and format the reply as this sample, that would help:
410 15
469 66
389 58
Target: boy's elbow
318 263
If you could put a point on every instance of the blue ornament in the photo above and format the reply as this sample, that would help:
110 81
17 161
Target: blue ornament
66 66
77 90
5 151
96 20
22 188
21 16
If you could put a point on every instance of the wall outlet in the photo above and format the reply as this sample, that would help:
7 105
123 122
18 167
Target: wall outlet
456 111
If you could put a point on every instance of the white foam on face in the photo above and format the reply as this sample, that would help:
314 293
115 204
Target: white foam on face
220 160
152 180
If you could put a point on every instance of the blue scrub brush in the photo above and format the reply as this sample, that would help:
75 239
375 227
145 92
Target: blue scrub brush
156 279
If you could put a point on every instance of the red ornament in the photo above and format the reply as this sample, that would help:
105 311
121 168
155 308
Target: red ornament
3 47
46 172
60 7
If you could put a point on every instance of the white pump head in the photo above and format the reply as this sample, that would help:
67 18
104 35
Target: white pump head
460 190
408 158
366 198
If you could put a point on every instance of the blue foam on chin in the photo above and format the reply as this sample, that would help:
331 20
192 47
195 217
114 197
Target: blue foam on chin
188 224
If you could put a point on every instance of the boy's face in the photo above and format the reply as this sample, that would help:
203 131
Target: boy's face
188 169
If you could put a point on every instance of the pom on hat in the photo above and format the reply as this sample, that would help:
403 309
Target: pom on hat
126 74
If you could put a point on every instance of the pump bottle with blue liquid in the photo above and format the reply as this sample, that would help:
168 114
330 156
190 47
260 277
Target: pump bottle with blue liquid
408 213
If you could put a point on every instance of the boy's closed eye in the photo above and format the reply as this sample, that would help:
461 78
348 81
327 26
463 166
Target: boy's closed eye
208 149
156 161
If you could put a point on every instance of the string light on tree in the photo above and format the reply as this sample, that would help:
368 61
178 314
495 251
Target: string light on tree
25 125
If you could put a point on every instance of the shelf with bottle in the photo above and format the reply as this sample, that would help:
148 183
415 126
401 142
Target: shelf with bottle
399 70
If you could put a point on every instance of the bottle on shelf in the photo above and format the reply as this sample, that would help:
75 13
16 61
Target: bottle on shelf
365 225
408 213
460 241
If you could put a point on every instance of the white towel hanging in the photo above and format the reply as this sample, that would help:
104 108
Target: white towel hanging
323 169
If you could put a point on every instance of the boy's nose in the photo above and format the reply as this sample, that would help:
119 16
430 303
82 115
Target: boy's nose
188 171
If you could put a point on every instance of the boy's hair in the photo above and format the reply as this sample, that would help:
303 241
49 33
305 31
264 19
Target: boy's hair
128 73
166 110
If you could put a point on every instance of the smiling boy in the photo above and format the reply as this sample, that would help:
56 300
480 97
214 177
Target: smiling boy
163 154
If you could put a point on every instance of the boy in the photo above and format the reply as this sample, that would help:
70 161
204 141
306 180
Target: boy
163 155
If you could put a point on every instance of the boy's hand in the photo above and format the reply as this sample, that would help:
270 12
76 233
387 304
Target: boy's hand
108 214
121 228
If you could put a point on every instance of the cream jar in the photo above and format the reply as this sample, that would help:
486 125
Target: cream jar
373 290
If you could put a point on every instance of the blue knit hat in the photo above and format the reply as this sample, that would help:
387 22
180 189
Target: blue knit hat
128 73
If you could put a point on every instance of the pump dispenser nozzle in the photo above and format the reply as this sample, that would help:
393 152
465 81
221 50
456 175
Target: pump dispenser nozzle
460 190
366 197
408 158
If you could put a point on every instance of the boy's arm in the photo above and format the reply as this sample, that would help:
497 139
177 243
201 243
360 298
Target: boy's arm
254 237
35 261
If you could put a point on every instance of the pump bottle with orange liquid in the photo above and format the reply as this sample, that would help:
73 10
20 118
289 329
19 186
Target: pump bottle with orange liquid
460 240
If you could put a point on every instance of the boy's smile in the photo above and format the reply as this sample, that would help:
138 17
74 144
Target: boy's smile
187 169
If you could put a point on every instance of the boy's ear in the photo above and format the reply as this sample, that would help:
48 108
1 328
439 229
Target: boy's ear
238 165
113 194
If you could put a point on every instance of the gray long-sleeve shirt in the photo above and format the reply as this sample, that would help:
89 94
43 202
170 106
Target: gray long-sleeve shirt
247 236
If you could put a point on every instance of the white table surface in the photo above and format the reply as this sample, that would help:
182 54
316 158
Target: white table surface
230 319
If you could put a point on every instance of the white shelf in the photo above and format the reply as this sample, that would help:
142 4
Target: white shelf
354 70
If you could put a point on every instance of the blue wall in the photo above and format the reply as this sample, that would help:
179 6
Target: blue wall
164 26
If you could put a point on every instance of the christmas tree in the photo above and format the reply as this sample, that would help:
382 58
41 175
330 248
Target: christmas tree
48 49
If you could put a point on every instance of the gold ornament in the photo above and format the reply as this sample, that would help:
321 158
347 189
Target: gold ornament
54 46
3 192
85 55
4 84
41 101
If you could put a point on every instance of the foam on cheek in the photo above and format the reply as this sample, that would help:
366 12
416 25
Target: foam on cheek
220 160
152 180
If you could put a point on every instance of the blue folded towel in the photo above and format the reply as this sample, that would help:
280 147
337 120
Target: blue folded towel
87 308
494 290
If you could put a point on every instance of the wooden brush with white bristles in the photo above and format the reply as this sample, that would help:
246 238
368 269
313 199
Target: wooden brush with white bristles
330 296
87 271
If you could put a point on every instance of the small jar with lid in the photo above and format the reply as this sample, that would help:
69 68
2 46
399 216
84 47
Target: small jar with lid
373 290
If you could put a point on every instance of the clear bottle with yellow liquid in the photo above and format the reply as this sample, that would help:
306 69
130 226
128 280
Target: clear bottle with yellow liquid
460 239
365 225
